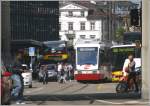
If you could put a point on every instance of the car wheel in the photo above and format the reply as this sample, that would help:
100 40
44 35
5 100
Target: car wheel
30 86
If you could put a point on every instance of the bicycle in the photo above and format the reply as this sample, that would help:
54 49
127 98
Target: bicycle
124 87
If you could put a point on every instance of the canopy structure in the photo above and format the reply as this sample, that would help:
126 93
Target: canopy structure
17 44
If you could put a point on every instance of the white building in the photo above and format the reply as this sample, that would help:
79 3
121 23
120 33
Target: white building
74 23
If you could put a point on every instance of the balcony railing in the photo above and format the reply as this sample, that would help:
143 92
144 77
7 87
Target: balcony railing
70 34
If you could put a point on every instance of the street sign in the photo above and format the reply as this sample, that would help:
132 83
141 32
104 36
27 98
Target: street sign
31 51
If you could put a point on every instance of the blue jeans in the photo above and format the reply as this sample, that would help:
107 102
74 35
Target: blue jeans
16 93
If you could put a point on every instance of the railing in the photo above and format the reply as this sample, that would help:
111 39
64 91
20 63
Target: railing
69 32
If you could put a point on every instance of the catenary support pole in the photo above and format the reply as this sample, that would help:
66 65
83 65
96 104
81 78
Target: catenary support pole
145 49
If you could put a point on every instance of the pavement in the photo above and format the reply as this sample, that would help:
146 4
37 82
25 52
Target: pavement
75 93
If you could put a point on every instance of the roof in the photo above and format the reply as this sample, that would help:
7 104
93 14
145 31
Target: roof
88 41
94 12
26 43
133 33
53 42
76 4
119 46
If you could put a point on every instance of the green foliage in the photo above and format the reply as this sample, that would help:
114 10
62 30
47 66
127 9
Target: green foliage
119 33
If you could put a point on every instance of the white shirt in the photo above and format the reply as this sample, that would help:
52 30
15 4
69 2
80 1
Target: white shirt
59 67
126 64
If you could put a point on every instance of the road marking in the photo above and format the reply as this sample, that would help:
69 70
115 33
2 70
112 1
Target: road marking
99 87
123 103
35 90
108 102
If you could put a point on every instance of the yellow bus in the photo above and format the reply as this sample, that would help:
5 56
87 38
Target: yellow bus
55 51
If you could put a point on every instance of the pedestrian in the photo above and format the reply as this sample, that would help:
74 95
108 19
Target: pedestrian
65 67
63 74
17 88
18 83
70 68
45 75
59 68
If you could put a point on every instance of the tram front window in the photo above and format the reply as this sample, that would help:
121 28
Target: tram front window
87 55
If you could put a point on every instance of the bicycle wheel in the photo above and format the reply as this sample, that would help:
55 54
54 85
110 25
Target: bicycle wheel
121 87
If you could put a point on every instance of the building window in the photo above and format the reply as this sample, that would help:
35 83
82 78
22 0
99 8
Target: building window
82 13
60 26
82 25
92 36
70 13
82 36
92 25
70 26
90 12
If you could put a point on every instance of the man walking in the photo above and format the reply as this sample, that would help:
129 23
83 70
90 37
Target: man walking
18 80
45 75
59 68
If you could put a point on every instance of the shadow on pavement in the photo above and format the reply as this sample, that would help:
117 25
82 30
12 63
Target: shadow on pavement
74 97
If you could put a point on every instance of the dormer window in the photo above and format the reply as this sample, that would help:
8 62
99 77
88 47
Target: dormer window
70 13
82 13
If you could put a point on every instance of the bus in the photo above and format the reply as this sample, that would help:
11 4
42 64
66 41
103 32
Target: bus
119 54
88 60
55 51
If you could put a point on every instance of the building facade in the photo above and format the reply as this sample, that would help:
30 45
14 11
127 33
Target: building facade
75 23
35 20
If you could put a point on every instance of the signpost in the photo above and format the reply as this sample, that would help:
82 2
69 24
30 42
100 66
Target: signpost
31 54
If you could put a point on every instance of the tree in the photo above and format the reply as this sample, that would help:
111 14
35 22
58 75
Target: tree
119 34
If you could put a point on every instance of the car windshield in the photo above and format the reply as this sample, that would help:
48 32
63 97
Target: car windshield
51 67
87 55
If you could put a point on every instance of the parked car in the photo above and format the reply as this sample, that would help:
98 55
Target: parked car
52 73
27 76
6 85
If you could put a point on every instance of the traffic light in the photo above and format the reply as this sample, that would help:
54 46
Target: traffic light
134 14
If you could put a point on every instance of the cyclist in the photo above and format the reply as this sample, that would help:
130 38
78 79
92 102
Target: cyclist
128 70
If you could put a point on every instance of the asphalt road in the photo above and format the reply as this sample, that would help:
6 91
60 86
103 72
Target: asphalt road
75 93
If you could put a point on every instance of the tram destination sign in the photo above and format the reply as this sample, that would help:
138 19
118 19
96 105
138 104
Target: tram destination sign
123 49
82 49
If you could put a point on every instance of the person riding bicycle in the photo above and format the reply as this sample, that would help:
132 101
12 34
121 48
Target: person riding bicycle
128 70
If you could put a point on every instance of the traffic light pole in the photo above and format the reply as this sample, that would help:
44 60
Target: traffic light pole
145 49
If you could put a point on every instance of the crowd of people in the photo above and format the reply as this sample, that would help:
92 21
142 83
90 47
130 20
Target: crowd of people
65 71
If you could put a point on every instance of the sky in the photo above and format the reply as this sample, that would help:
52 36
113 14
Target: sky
135 1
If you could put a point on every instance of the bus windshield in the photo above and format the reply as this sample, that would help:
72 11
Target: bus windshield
55 46
87 55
